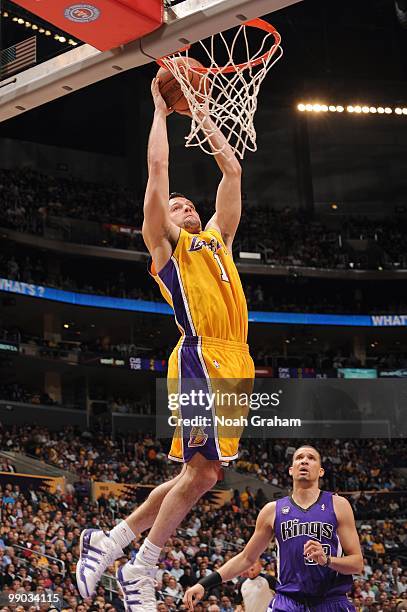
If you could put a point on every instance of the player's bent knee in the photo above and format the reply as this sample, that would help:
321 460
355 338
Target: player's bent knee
204 478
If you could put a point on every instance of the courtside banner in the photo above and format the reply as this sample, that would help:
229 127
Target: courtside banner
46 484
104 24
138 493
286 318
204 411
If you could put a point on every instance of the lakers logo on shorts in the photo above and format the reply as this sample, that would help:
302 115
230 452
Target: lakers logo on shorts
197 437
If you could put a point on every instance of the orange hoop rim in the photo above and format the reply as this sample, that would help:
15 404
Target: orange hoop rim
258 23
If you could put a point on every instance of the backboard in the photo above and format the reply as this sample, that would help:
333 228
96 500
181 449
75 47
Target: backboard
185 22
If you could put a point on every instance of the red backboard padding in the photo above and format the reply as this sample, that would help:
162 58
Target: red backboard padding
104 24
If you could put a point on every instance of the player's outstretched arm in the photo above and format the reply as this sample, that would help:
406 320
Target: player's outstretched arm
229 195
352 562
239 564
158 232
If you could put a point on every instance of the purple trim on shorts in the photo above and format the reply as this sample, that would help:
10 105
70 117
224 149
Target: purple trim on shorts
169 277
193 377
295 602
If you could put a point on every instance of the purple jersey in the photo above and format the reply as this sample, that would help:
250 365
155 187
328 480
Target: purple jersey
293 527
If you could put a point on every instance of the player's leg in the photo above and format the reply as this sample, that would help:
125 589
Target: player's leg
99 550
136 578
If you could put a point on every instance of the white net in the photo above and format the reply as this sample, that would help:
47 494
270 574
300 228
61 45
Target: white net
228 93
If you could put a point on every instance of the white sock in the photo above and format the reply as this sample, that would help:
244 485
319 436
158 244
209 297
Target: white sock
122 534
148 553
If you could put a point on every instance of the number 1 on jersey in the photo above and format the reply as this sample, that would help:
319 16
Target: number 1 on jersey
223 274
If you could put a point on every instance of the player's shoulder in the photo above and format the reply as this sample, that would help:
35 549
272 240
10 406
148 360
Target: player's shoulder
267 514
341 504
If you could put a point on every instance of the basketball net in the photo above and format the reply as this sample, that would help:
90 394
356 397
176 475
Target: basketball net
227 94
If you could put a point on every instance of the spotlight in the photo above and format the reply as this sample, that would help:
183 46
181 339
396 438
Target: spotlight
47 33
308 107
66 325
41 31
15 18
350 109
62 39
358 109
316 108
324 108
334 206
20 21
380 110
339 109
398 111
332 109
301 107
56 37
373 109
34 26
5 14
365 109
404 111
388 110
27 24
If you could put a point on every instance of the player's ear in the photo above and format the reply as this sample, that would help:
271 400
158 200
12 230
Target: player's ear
290 470
321 472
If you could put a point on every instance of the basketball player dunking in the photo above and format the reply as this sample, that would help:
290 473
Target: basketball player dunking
312 529
196 275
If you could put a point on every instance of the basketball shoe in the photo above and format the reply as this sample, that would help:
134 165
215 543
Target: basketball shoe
137 584
97 551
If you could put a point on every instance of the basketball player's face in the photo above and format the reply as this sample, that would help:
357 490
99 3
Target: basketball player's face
306 466
183 214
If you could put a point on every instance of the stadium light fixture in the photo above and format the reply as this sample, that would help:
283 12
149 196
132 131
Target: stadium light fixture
318 107
37 28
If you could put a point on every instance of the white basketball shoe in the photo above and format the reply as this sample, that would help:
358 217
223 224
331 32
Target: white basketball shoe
137 584
97 552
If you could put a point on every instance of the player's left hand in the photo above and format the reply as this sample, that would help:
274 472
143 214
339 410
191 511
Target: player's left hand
313 550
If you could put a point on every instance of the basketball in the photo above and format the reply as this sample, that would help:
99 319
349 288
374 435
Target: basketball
170 88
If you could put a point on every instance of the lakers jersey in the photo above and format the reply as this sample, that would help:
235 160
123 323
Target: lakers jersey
201 283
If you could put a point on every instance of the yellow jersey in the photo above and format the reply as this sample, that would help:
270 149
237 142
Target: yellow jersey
201 283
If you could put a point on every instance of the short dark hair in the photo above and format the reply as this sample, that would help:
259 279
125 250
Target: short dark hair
308 446
176 194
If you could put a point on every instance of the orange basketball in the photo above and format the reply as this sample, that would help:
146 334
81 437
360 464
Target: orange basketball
170 88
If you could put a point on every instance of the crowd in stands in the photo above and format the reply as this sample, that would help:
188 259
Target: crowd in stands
29 199
39 530
124 281
360 465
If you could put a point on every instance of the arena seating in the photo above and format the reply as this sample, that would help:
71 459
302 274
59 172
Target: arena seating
39 532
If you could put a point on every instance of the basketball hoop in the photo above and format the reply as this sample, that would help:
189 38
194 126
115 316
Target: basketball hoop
228 93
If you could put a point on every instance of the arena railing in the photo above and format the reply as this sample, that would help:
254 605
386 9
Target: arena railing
55 560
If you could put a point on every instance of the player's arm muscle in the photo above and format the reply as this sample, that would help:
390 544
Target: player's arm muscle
352 562
229 195
159 233
255 546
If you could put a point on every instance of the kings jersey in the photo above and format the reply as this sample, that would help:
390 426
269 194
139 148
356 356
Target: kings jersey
293 527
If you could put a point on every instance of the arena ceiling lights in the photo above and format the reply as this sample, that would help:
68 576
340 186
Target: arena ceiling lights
355 109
